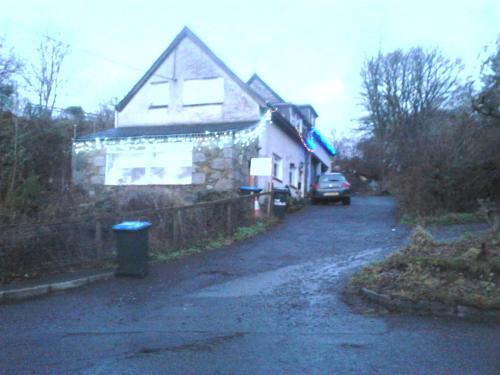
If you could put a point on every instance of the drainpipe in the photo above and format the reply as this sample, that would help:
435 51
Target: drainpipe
306 172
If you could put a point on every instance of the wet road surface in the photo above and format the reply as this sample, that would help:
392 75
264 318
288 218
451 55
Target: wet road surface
268 305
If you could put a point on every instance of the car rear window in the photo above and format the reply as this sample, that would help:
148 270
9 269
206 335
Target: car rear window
332 177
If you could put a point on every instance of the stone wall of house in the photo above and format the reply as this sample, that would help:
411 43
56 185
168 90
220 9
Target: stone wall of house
223 169
215 170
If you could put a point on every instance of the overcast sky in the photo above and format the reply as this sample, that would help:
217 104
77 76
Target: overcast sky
309 51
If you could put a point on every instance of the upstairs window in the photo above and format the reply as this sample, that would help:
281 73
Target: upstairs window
203 91
159 94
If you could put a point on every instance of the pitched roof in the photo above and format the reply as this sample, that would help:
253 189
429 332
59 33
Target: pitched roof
255 77
166 131
307 106
186 33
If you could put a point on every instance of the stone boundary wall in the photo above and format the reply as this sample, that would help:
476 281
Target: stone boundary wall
396 304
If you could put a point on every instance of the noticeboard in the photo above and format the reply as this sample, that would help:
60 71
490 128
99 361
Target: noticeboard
261 166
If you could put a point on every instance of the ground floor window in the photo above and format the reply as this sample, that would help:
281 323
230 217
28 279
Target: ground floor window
292 175
165 164
277 167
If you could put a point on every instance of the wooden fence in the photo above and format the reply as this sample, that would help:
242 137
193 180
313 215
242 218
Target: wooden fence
35 248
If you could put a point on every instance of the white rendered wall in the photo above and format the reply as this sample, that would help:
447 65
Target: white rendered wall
322 155
274 141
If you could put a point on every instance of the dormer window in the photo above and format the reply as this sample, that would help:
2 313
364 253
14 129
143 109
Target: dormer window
160 94
208 91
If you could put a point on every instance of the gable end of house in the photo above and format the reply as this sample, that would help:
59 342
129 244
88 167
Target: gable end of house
187 33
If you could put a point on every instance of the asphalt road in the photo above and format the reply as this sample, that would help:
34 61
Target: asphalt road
269 305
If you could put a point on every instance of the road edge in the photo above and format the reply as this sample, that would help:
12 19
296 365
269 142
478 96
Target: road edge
21 294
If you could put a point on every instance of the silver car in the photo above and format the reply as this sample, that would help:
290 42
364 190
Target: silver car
331 187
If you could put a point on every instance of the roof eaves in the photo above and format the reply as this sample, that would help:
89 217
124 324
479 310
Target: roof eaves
160 131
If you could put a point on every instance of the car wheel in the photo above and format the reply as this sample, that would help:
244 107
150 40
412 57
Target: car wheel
346 201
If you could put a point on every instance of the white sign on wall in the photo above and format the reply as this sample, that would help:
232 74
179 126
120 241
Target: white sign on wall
169 164
261 166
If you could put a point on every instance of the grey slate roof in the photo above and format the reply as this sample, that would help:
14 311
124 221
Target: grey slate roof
281 104
166 131
297 111
308 106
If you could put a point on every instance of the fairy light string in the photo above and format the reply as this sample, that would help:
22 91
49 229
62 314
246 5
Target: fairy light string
199 140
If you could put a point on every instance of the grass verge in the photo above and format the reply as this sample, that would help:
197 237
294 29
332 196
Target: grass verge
465 272
240 234
449 218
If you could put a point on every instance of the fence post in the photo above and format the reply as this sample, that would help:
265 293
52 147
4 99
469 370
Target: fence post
98 238
2 267
177 226
229 219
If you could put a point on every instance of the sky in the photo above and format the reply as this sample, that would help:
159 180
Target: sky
308 51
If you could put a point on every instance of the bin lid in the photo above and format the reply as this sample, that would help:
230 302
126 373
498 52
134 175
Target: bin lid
251 189
132 225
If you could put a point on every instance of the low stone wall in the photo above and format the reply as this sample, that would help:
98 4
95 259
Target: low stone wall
392 303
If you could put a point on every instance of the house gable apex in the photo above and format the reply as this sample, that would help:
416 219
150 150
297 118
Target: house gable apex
187 33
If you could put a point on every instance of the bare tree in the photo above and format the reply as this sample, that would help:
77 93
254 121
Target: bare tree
105 116
45 77
401 91
487 102
10 66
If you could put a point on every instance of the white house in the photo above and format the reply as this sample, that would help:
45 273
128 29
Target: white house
305 153
191 126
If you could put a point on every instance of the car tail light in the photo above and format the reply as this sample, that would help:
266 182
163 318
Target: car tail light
314 186
346 185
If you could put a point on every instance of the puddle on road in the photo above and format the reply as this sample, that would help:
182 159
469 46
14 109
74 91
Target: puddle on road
194 346
308 277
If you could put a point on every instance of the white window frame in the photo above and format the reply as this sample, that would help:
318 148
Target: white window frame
176 160
277 167
292 175
160 94
206 91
